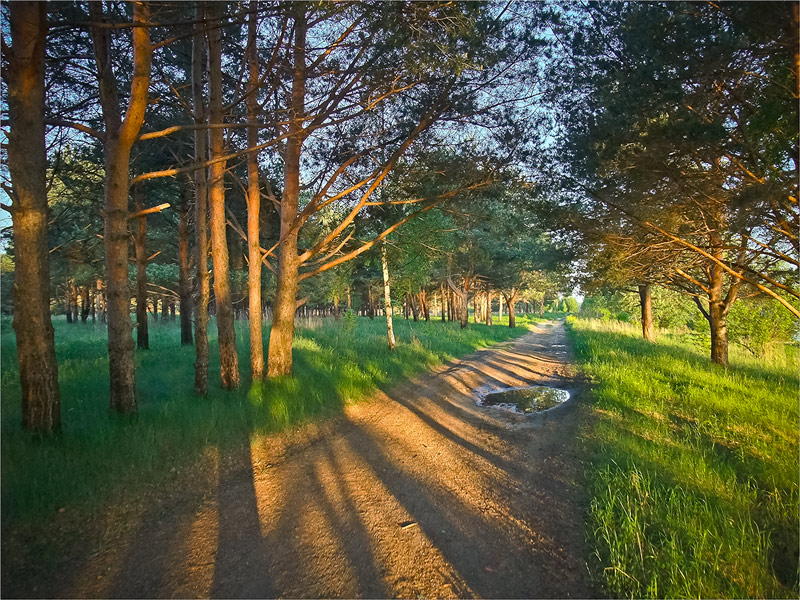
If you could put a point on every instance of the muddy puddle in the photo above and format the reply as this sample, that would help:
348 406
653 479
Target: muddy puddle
525 401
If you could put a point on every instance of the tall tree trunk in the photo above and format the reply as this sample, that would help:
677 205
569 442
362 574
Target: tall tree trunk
349 301
67 299
387 298
84 304
140 248
488 305
253 206
38 369
200 211
414 308
500 307
164 309
423 304
101 305
120 135
511 299
73 290
279 358
718 307
646 304
184 277
226 333
441 292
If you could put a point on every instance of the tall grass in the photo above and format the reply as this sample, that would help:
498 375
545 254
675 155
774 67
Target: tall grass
693 468
99 455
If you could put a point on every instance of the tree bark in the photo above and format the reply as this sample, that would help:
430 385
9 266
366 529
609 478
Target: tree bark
488 305
387 298
646 304
84 304
279 359
120 135
226 333
67 299
101 305
441 292
73 291
253 206
200 211
140 248
511 299
38 369
184 278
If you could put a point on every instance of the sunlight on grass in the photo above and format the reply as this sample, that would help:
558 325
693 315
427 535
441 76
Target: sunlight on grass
100 457
692 468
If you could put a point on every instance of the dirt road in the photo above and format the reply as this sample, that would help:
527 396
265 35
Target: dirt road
420 493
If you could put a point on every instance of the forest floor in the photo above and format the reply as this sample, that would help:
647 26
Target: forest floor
419 493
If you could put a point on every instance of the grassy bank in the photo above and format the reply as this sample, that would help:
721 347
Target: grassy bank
97 455
693 469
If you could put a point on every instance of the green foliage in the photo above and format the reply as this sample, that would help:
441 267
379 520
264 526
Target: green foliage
571 305
692 469
98 459
757 323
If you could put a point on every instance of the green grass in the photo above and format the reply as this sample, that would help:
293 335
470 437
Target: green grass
99 456
692 468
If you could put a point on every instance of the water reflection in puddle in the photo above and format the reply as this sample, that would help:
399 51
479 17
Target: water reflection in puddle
525 401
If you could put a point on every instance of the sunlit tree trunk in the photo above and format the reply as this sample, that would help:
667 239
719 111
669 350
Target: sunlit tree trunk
200 212
387 298
488 305
441 292
646 304
253 207
226 333
73 294
140 249
511 299
120 135
27 165
279 359
184 277
85 304
101 305
67 300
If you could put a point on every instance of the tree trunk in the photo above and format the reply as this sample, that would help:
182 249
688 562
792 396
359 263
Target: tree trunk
84 304
488 306
387 298
441 292
500 307
279 358
67 299
226 333
646 304
140 248
164 309
120 135
73 290
38 369
184 278
101 305
511 299
414 308
253 207
200 211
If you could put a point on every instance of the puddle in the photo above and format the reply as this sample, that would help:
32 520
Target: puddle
525 401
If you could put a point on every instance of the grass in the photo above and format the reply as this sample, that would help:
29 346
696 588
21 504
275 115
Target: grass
100 457
692 468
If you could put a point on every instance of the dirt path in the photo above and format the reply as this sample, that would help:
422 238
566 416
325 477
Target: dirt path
420 493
